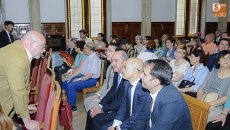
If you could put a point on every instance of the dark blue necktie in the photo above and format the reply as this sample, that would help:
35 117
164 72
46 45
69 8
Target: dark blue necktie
118 81
117 86
129 99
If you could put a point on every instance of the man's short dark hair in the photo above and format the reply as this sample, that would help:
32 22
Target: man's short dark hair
117 46
161 70
84 31
8 23
123 41
80 44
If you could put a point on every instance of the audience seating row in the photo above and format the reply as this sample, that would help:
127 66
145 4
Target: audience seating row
45 93
99 83
198 112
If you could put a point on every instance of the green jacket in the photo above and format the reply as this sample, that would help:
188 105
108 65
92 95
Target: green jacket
14 77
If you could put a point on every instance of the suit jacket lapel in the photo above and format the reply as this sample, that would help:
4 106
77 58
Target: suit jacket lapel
118 90
156 104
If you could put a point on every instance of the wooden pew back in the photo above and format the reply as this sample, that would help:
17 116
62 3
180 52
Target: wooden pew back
198 112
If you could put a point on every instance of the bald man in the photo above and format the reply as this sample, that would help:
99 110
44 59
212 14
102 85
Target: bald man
110 103
134 97
14 75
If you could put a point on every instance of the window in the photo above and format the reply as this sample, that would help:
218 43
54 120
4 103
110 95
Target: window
85 14
187 17
76 17
193 19
95 17
180 17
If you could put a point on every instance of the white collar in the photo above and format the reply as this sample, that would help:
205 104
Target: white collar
154 95
28 54
135 82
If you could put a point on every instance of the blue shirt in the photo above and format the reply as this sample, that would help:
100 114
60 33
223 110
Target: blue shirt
92 65
199 74
227 103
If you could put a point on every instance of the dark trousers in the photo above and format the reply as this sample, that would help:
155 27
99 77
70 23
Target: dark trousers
18 123
217 125
99 120
59 70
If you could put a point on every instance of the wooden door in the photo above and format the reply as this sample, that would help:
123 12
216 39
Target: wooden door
126 29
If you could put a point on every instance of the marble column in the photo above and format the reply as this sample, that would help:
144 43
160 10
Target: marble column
34 12
223 21
2 15
146 8
203 17
108 19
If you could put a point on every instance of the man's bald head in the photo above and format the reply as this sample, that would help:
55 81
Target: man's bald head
34 36
34 42
133 69
136 63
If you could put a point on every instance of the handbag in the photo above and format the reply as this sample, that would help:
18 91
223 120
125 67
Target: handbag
209 97
186 83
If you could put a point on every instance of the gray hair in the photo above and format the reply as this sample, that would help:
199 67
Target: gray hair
124 55
90 46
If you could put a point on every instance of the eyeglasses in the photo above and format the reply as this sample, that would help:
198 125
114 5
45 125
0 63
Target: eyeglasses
225 58
41 45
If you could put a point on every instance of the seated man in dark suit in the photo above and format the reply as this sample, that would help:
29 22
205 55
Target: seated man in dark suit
59 70
166 108
109 105
134 98
5 36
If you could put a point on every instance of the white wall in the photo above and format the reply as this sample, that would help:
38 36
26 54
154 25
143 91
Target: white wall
17 11
52 11
163 11
122 11
126 10
209 17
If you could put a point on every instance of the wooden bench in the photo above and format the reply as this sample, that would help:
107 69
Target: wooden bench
198 112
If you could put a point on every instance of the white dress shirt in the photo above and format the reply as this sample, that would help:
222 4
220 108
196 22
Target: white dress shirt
134 85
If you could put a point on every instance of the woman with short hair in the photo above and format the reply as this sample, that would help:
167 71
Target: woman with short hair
217 82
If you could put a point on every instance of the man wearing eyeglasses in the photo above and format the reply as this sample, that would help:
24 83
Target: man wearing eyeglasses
14 75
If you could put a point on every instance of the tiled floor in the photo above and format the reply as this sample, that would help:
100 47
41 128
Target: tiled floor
79 117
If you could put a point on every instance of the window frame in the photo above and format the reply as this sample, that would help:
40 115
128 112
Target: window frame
86 19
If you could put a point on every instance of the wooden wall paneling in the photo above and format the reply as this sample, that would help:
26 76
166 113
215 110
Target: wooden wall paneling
228 27
168 28
126 29
55 35
211 27
156 30
53 28
160 28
